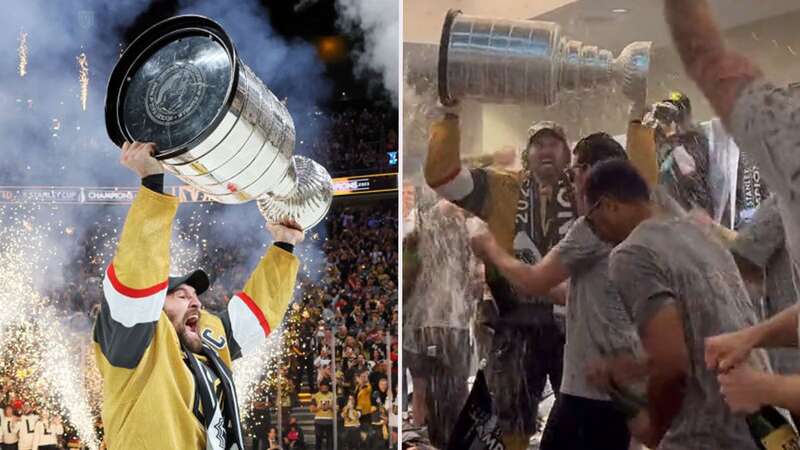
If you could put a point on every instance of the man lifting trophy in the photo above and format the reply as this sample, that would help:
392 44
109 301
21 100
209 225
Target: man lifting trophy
525 62
182 86
180 100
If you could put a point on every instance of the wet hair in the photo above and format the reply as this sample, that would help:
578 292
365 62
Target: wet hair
598 147
527 150
617 179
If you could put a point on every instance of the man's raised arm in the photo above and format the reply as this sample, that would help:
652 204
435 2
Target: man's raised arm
720 73
443 170
259 308
762 117
135 284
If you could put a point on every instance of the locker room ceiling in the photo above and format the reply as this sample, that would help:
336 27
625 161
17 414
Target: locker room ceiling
609 23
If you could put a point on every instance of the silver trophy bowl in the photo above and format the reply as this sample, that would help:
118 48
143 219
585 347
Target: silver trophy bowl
494 60
217 127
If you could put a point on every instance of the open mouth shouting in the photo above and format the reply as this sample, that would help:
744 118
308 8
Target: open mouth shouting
546 162
191 322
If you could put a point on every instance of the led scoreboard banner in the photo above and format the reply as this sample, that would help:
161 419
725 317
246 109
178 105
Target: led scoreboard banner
366 184
60 195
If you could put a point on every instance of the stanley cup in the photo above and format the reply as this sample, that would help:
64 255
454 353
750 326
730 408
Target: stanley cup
216 125
529 62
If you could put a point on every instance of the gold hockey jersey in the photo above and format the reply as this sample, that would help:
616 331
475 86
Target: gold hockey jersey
500 191
150 396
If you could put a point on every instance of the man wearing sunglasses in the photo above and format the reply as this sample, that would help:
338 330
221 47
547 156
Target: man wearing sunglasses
596 327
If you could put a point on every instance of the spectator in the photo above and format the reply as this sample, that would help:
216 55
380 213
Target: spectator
354 141
10 429
27 428
260 424
272 439
47 433
322 407
364 396
293 437
379 432
352 432
323 365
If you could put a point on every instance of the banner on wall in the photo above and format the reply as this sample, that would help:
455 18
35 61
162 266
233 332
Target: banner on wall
69 195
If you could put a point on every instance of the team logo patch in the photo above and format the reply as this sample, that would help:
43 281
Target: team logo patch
219 344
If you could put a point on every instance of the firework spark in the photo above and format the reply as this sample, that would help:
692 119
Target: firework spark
39 346
250 370
83 64
23 53
47 353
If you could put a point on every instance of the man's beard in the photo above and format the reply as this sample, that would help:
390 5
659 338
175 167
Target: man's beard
190 340
549 175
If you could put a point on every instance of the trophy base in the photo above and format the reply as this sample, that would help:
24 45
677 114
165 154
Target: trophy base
307 203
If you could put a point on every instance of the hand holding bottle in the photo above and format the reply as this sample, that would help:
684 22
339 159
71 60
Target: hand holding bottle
741 388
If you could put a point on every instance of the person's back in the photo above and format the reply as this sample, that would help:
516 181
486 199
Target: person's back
10 430
46 433
27 428
666 259
364 399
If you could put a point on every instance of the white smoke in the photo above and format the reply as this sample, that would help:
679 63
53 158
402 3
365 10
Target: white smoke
380 22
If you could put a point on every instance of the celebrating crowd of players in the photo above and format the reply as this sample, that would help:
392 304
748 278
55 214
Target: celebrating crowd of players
665 309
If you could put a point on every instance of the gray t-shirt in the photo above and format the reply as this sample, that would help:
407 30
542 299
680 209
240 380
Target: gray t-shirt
671 261
597 324
765 122
762 243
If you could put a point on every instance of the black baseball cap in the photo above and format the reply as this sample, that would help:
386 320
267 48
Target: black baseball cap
197 279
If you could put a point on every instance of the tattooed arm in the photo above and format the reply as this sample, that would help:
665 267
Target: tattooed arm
720 73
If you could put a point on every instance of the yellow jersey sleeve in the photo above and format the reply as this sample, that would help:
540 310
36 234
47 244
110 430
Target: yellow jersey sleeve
259 308
641 151
135 283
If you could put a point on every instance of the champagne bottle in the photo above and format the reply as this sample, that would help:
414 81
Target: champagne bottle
772 431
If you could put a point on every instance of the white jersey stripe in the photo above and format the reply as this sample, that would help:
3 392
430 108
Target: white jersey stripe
130 311
247 330
457 188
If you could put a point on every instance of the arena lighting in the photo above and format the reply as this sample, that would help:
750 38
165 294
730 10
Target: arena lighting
366 184
619 10
332 49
